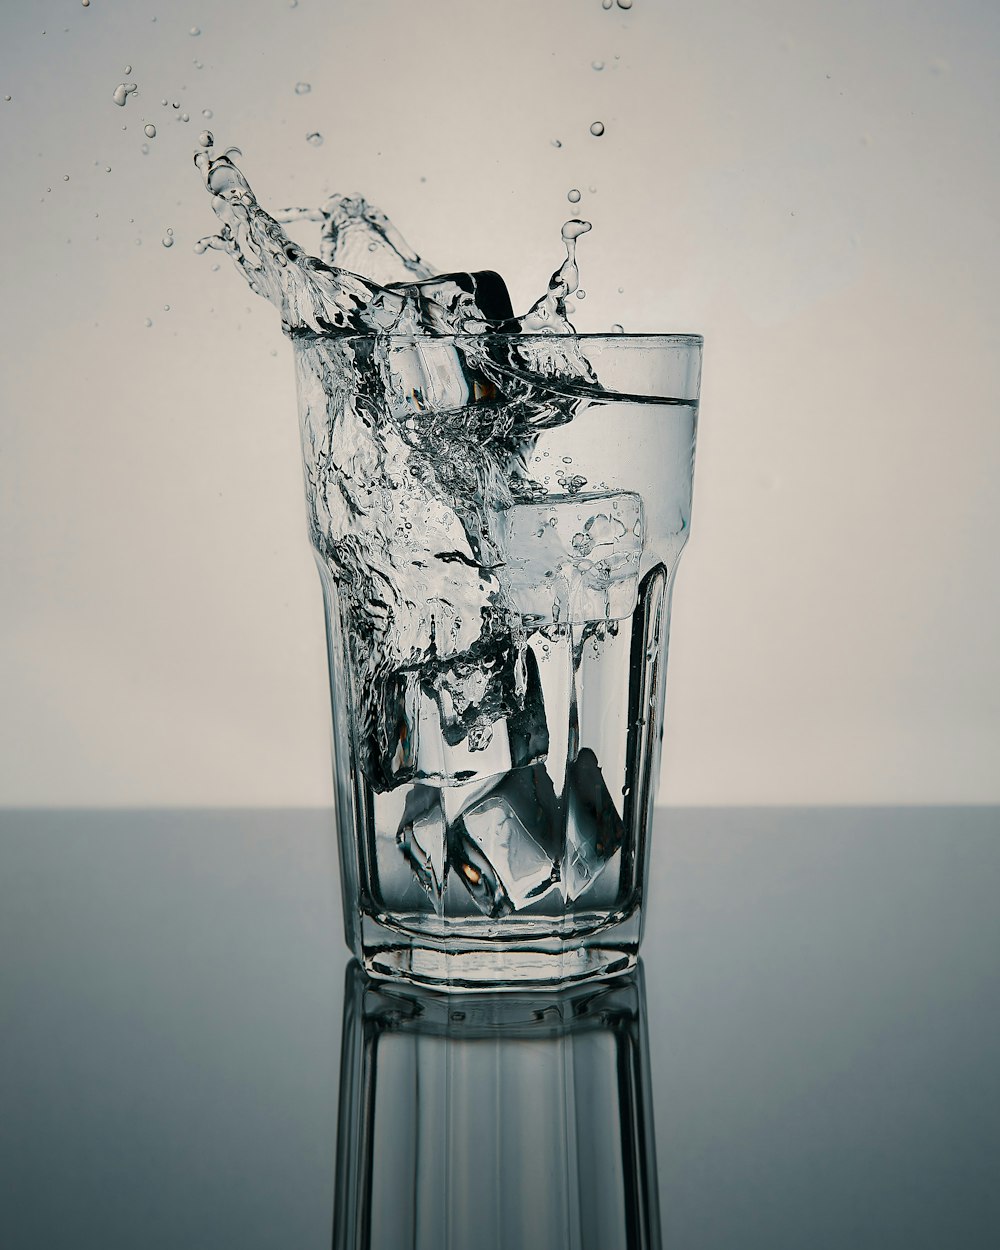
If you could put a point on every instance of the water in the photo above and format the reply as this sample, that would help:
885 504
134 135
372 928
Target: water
497 603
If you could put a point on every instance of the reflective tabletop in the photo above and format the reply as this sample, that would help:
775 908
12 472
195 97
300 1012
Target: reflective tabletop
808 1055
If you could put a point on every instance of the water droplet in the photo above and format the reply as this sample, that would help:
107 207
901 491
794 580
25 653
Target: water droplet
185 117
207 113
617 328
597 129
573 196
65 177
7 98
597 65
164 103
149 320
128 70
149 131
107 169
303 88
166 307
167 240
581 294
206 139
315 138
624 4
176 104
606 4
122 92
85 3
621 290
195 30
557 143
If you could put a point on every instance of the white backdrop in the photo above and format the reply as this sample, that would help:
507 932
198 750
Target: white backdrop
814 187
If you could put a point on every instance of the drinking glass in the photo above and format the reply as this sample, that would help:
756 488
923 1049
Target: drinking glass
497 521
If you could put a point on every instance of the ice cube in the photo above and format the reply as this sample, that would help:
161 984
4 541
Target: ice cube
574 559
462 723
506 847
594 829
421 838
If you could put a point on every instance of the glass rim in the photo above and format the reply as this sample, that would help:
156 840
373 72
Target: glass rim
665 339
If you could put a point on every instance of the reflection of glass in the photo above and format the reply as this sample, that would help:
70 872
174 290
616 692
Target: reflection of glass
497 521
517 1121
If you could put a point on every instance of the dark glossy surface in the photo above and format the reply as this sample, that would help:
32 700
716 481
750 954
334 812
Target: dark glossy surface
822 1001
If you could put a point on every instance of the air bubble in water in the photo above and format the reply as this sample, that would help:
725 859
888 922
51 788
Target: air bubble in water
617 328
206 139
149 131
65 177
303 88
624 4
122 92
207 113
606 4
166 307
128 69
168 239
315 138
198 64
596 64
7 98
556 143
195 30
597 129
85 3
581 294
149 320
145 149
185 117
573 196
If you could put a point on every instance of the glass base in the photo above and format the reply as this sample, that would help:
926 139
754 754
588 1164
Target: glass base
490 964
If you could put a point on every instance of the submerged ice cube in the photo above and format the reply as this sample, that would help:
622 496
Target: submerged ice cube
574 559
462 724
506 847
594 828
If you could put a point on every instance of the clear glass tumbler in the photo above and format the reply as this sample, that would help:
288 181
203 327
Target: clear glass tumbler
497 521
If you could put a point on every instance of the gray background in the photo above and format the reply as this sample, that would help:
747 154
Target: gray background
812 186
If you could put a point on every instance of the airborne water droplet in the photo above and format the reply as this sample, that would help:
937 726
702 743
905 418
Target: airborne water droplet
206 139
150 131
303 88
573 196
315 138
597 129
122 92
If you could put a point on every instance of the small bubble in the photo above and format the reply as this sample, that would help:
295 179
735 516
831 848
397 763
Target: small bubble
149 320
65 177
597 129
122 92
107 169
573 196
274 351
624 4
207 113
164 103
315 138
567 459
373 246
617 328
7 98
215 267
606 4
621 290
85 3
592 190
195 30
149 131
303 88
166 307
167 240
176 104
206 139
556 143
128 69
597 65
198 64
581 294
145 149
185 117
170 230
